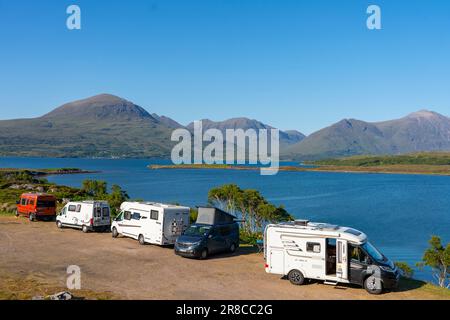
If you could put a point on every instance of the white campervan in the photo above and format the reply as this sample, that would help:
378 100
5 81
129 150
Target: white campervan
150 222
85 215
304 250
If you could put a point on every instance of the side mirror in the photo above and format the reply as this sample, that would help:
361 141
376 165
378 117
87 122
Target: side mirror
17 202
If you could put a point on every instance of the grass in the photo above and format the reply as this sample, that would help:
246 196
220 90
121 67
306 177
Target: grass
15 288
413 284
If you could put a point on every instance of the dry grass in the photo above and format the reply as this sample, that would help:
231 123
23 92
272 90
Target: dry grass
15 288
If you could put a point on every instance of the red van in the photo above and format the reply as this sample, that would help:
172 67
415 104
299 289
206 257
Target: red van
37 205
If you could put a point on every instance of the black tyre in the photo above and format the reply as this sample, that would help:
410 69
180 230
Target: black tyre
17 213
115 233
296 277
204 254
84 229
141 240
59 224
32 217
233 248
373 285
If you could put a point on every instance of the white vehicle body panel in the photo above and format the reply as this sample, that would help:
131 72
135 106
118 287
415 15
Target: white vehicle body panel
94 214
288 246
160 224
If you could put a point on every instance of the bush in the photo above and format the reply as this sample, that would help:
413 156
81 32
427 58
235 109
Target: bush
405 270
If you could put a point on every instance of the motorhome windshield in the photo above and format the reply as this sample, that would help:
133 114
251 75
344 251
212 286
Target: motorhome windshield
197 231
373 252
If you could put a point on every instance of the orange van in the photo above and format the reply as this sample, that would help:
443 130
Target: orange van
37 205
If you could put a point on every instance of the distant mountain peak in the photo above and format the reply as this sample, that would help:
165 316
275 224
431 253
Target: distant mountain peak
102 106
424 114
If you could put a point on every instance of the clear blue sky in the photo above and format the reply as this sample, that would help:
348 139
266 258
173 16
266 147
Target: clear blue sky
295 64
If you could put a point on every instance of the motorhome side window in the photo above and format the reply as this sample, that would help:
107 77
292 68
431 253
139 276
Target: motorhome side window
127 215
136 216
313 247
72 208
106 212
154 215
225 231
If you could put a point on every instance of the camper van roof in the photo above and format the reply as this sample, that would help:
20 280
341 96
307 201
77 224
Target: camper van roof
304 226
157 204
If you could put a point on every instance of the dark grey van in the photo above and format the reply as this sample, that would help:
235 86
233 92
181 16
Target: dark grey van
215 231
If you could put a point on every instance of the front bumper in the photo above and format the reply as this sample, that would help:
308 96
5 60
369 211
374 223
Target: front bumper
391 280
188 252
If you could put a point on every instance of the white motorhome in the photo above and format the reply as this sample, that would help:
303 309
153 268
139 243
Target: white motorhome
149 222
85 215
304 250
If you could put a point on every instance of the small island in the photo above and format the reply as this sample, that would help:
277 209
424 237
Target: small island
418 163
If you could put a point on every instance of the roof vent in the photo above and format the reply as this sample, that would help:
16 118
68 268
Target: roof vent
303 223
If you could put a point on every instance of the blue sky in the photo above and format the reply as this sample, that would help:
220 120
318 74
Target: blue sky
295 64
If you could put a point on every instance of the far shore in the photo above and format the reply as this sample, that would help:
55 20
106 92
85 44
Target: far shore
48 172
442 170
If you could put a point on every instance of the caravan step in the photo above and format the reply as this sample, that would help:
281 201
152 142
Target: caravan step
330 283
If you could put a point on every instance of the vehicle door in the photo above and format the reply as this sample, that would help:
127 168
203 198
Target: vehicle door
358 264
154 226
216 241
341 260
125 225
106 216
72 217
98 214
63 215
135 224
21 205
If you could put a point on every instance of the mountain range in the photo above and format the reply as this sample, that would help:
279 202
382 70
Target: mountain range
109 126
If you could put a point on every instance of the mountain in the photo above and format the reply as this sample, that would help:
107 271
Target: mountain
99 126
286 137
420 131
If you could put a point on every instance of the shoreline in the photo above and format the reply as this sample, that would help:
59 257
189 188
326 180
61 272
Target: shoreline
436 170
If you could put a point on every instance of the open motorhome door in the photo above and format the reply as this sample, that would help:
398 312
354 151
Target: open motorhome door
341 259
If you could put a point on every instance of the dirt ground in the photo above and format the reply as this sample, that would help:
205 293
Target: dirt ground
130 271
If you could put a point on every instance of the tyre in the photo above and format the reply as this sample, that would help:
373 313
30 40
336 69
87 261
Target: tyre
59 224
296 277
373 285
17 214
32 217
115 233
233 248
204 254
84 229
141 240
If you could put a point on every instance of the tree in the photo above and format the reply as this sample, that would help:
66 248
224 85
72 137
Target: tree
116 197
437 257
95 188
250 205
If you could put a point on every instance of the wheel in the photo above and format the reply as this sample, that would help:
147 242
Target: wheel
17 214
204 254
84 229
373 285
32 217
141 239
233 248
115 233
59 224
296 277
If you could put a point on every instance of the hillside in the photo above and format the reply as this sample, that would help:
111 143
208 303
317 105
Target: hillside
100 126
286 137
419 131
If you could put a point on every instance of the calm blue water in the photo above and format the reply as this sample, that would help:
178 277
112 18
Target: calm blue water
398 212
